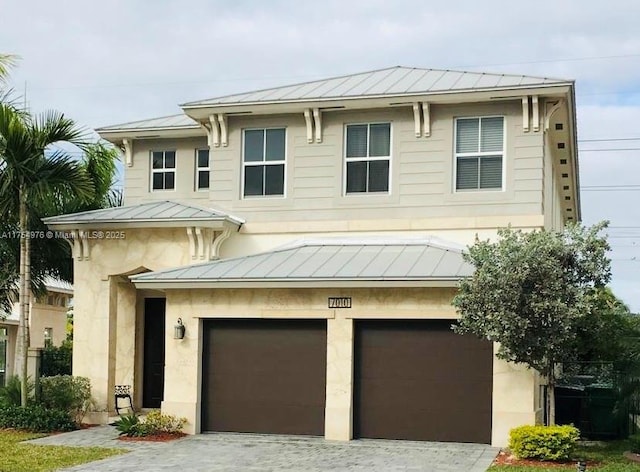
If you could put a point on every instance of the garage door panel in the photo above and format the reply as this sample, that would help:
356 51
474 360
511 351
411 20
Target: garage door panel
264 376
416 379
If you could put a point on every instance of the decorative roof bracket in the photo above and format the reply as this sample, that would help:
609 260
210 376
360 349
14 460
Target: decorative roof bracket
426 114
535 113
222 121
525 114
550 112
127 147
317 119
309 123
416 120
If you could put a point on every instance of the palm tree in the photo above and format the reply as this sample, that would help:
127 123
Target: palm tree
29 179
7 61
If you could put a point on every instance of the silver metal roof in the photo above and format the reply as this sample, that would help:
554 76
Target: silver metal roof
165 122
392 81
328 260
162 211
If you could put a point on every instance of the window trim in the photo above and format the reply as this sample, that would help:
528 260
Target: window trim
368 158
263 162
198 169
157 171
503 183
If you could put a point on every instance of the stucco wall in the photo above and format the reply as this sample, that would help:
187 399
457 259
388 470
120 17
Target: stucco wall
104 297
513 395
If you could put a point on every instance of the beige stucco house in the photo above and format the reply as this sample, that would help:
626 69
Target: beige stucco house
309 240
47 325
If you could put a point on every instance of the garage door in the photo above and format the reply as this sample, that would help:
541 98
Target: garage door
264 376
418 380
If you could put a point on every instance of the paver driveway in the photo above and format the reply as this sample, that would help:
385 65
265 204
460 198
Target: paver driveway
249 452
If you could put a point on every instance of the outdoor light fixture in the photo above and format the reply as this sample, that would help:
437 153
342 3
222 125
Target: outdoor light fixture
581 466
178 330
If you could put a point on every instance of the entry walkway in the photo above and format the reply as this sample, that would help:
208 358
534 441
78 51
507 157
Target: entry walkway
250 452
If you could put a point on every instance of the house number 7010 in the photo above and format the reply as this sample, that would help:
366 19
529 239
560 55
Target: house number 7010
339 302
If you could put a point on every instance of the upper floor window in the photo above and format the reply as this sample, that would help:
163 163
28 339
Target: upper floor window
479 153
202 169
367 156
163 170
263 161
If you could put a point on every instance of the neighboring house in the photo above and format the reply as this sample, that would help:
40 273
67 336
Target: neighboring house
309 239
48 325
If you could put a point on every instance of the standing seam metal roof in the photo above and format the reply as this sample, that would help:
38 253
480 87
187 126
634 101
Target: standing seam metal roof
158 211
342 260
391 81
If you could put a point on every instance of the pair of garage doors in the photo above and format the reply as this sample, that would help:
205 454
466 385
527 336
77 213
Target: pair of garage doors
413 379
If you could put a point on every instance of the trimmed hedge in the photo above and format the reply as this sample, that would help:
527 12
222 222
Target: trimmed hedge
35 418
547 443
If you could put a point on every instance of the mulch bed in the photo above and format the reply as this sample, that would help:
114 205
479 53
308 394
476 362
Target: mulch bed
160 437
506 458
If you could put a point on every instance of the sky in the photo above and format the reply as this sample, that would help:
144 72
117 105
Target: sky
114 61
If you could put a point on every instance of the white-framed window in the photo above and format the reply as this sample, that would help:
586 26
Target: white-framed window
163 170
202 169
48 336
263 162
479 153
367 158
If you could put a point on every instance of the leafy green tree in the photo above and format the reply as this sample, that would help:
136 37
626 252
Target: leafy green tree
529 293
604 334
28 179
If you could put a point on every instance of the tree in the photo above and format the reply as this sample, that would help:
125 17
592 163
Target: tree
529 293
28 179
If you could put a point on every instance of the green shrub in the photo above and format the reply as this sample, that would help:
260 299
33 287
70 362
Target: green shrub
67 393
634 442
547 443
155 422
10 393
126 425
35 418
159 423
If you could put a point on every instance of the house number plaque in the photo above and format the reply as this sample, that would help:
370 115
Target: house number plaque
339 302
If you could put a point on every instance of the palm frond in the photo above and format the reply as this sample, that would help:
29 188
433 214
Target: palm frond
52 127
7 62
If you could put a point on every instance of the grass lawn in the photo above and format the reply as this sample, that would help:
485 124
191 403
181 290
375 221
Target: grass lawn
609 456
21 457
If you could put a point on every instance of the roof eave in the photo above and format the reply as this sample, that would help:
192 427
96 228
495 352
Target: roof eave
117 135
216 223
186 284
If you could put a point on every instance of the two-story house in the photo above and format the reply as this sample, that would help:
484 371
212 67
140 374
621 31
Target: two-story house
308 238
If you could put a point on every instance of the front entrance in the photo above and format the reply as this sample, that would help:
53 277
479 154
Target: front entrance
153 370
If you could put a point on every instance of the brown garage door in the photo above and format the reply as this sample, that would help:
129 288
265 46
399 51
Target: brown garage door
264 376
418 380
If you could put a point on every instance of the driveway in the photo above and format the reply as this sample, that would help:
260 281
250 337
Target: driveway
251 452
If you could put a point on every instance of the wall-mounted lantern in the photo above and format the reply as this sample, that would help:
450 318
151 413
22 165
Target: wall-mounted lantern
178 330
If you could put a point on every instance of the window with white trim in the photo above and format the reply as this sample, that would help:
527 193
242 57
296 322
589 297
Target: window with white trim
163 170
263 162
202 169
367 157
479 153
48 337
